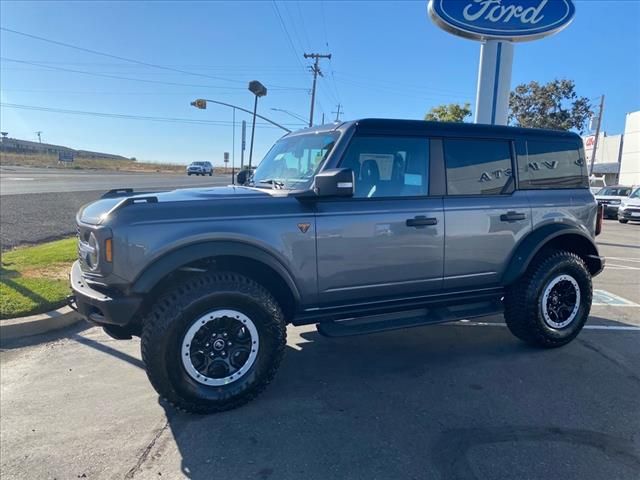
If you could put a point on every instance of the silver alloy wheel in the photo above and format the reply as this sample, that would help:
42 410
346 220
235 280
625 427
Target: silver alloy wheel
220 347
561 301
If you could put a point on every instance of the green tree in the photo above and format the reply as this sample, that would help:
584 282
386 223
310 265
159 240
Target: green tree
553 105
454 112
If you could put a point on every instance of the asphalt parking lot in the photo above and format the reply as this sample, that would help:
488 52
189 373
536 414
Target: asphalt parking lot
457 401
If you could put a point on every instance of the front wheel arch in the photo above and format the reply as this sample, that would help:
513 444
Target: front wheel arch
243 258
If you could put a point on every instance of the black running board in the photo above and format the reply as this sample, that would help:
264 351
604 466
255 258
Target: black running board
414 318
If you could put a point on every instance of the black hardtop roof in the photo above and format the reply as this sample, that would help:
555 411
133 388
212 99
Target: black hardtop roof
389 125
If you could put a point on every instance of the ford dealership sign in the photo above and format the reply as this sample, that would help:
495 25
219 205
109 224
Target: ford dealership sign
511 20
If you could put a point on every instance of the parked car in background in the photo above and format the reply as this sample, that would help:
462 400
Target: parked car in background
630 207
596 184
200 168
610 198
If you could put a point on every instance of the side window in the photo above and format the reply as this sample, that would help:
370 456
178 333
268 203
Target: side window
552 164
388 166
478 167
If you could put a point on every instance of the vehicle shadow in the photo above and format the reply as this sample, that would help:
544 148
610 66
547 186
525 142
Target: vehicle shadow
394 405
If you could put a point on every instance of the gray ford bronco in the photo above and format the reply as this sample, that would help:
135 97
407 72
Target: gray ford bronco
366 226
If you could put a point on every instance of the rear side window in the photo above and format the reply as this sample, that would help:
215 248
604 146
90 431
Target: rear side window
552 164
478 167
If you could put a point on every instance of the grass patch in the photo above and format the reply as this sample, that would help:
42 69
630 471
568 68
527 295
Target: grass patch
85 163
34 279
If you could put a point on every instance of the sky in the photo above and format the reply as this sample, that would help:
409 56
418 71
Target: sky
388 60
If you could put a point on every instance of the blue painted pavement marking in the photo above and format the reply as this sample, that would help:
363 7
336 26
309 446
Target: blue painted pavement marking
604 298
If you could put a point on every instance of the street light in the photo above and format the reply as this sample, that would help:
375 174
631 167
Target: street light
298 117
258 90
201 103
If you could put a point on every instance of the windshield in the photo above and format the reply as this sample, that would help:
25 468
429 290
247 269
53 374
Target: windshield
293 161
635 194
615 191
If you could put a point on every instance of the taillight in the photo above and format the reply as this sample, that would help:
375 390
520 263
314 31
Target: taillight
599 219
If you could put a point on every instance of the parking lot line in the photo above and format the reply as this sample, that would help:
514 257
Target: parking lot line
624 259
621 267
586 327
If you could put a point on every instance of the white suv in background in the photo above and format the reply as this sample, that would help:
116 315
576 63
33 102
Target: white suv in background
630 208
200 168
611 197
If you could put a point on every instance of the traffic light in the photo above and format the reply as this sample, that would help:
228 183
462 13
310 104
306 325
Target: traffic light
200 103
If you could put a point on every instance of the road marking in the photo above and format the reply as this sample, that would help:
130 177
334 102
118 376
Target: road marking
612 266
20 178
624 259
586 327
604 298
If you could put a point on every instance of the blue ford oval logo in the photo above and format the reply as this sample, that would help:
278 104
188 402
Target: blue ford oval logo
515 20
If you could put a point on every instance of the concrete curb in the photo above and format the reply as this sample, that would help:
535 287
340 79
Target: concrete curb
14 328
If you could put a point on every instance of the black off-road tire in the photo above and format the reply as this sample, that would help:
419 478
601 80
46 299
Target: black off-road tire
523 300
176 311
622 220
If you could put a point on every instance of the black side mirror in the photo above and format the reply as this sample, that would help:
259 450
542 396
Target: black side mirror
335 182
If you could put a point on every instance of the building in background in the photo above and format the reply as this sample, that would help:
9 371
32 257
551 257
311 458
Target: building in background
630 157
617 156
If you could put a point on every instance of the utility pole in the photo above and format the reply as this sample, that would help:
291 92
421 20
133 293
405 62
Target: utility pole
315 68
39 134
595 141
338 112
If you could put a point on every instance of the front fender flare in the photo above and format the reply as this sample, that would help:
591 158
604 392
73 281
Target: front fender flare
187 254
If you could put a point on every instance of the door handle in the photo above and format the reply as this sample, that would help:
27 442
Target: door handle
421 221
512 216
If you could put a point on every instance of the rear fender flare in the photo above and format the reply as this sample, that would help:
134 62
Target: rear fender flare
535 242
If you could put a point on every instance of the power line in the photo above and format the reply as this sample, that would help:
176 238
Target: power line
129 116
284 29
118 57
304 28
125 59
324 24
131 79
326 41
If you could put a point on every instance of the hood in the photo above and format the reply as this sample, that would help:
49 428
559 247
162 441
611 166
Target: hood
631 202
94 213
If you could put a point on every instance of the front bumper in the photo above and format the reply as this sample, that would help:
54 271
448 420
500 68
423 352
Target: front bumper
629 214
99 307
611 211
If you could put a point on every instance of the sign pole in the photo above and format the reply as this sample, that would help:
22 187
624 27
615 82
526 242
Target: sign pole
243 143
494 82
233 149
595 140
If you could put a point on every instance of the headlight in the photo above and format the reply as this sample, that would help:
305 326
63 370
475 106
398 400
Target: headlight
93 257
614 202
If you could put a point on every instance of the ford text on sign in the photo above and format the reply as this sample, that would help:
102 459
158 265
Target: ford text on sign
514 20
